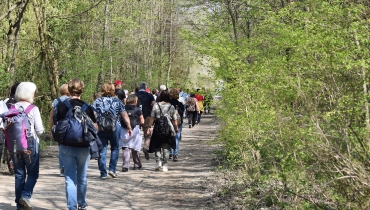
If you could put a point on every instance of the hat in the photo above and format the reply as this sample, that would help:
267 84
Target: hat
162 87
118 82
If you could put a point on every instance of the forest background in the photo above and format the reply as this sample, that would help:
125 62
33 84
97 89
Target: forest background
293 75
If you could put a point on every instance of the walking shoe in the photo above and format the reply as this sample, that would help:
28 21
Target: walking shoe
165 168
136 168
189 125
113 175
61 174
158 166
146 153
26 203
124 169
82 207
170 157
103 177
175 157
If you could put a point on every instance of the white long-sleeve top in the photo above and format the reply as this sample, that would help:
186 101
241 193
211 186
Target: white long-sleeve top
34 118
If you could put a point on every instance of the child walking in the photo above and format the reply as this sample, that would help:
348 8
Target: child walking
133 142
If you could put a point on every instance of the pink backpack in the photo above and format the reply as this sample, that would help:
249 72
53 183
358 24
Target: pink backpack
18 135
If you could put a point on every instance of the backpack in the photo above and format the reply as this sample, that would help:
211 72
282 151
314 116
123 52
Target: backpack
144 103
106 121
163 126
18 133
56 111
73 130
133 117
191 105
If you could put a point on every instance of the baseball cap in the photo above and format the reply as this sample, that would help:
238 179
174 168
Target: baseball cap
118 82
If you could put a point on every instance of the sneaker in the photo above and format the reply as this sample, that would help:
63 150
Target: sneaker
175 157
26 203
189 125
196 122
113 175
146 153
170 157
165 168
103 177
61 174
158 166
82 207
124 169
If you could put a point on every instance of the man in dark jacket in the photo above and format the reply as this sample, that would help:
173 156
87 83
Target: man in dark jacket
119 92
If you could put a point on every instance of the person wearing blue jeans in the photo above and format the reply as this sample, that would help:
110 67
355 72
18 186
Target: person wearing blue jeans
76 160
114 139
175 152
26 164
109 103
174 100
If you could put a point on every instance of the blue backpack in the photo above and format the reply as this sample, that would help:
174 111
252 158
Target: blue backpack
72 130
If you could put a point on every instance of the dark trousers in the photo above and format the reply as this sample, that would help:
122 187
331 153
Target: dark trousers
192 117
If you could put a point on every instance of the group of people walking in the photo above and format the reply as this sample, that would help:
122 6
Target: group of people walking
141 111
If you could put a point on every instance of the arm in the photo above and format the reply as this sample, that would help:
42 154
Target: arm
141 120
39 128
127 121
151 121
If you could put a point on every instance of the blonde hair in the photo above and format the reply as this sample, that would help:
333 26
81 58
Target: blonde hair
76 87
63 90
108 89
131 99
25 91
174 93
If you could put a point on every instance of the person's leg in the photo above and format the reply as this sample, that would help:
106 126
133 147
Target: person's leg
114 147
61 169
103 155
178 139
199 116
158 159
125 158
146 137
1 151
20 178
32 163
166 154
83 159
9 162
190 118
69 159
136 158
193 118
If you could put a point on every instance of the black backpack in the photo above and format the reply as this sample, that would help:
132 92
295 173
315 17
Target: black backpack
144 103
106 121
162 128
132 115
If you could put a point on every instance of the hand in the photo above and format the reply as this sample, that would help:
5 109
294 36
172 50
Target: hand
176 130
129 131
149 131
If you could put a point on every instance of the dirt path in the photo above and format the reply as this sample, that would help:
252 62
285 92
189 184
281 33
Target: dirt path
184 186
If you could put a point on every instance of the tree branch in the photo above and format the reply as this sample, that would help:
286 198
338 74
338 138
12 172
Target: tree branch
10 10
78 14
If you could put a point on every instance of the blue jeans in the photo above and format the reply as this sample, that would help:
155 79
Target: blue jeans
114 147
26 166
178 139
76 160
60 160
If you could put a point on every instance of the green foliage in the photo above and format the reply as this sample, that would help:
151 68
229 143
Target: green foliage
292 107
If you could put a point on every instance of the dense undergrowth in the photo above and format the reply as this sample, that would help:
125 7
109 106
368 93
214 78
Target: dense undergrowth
294 112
